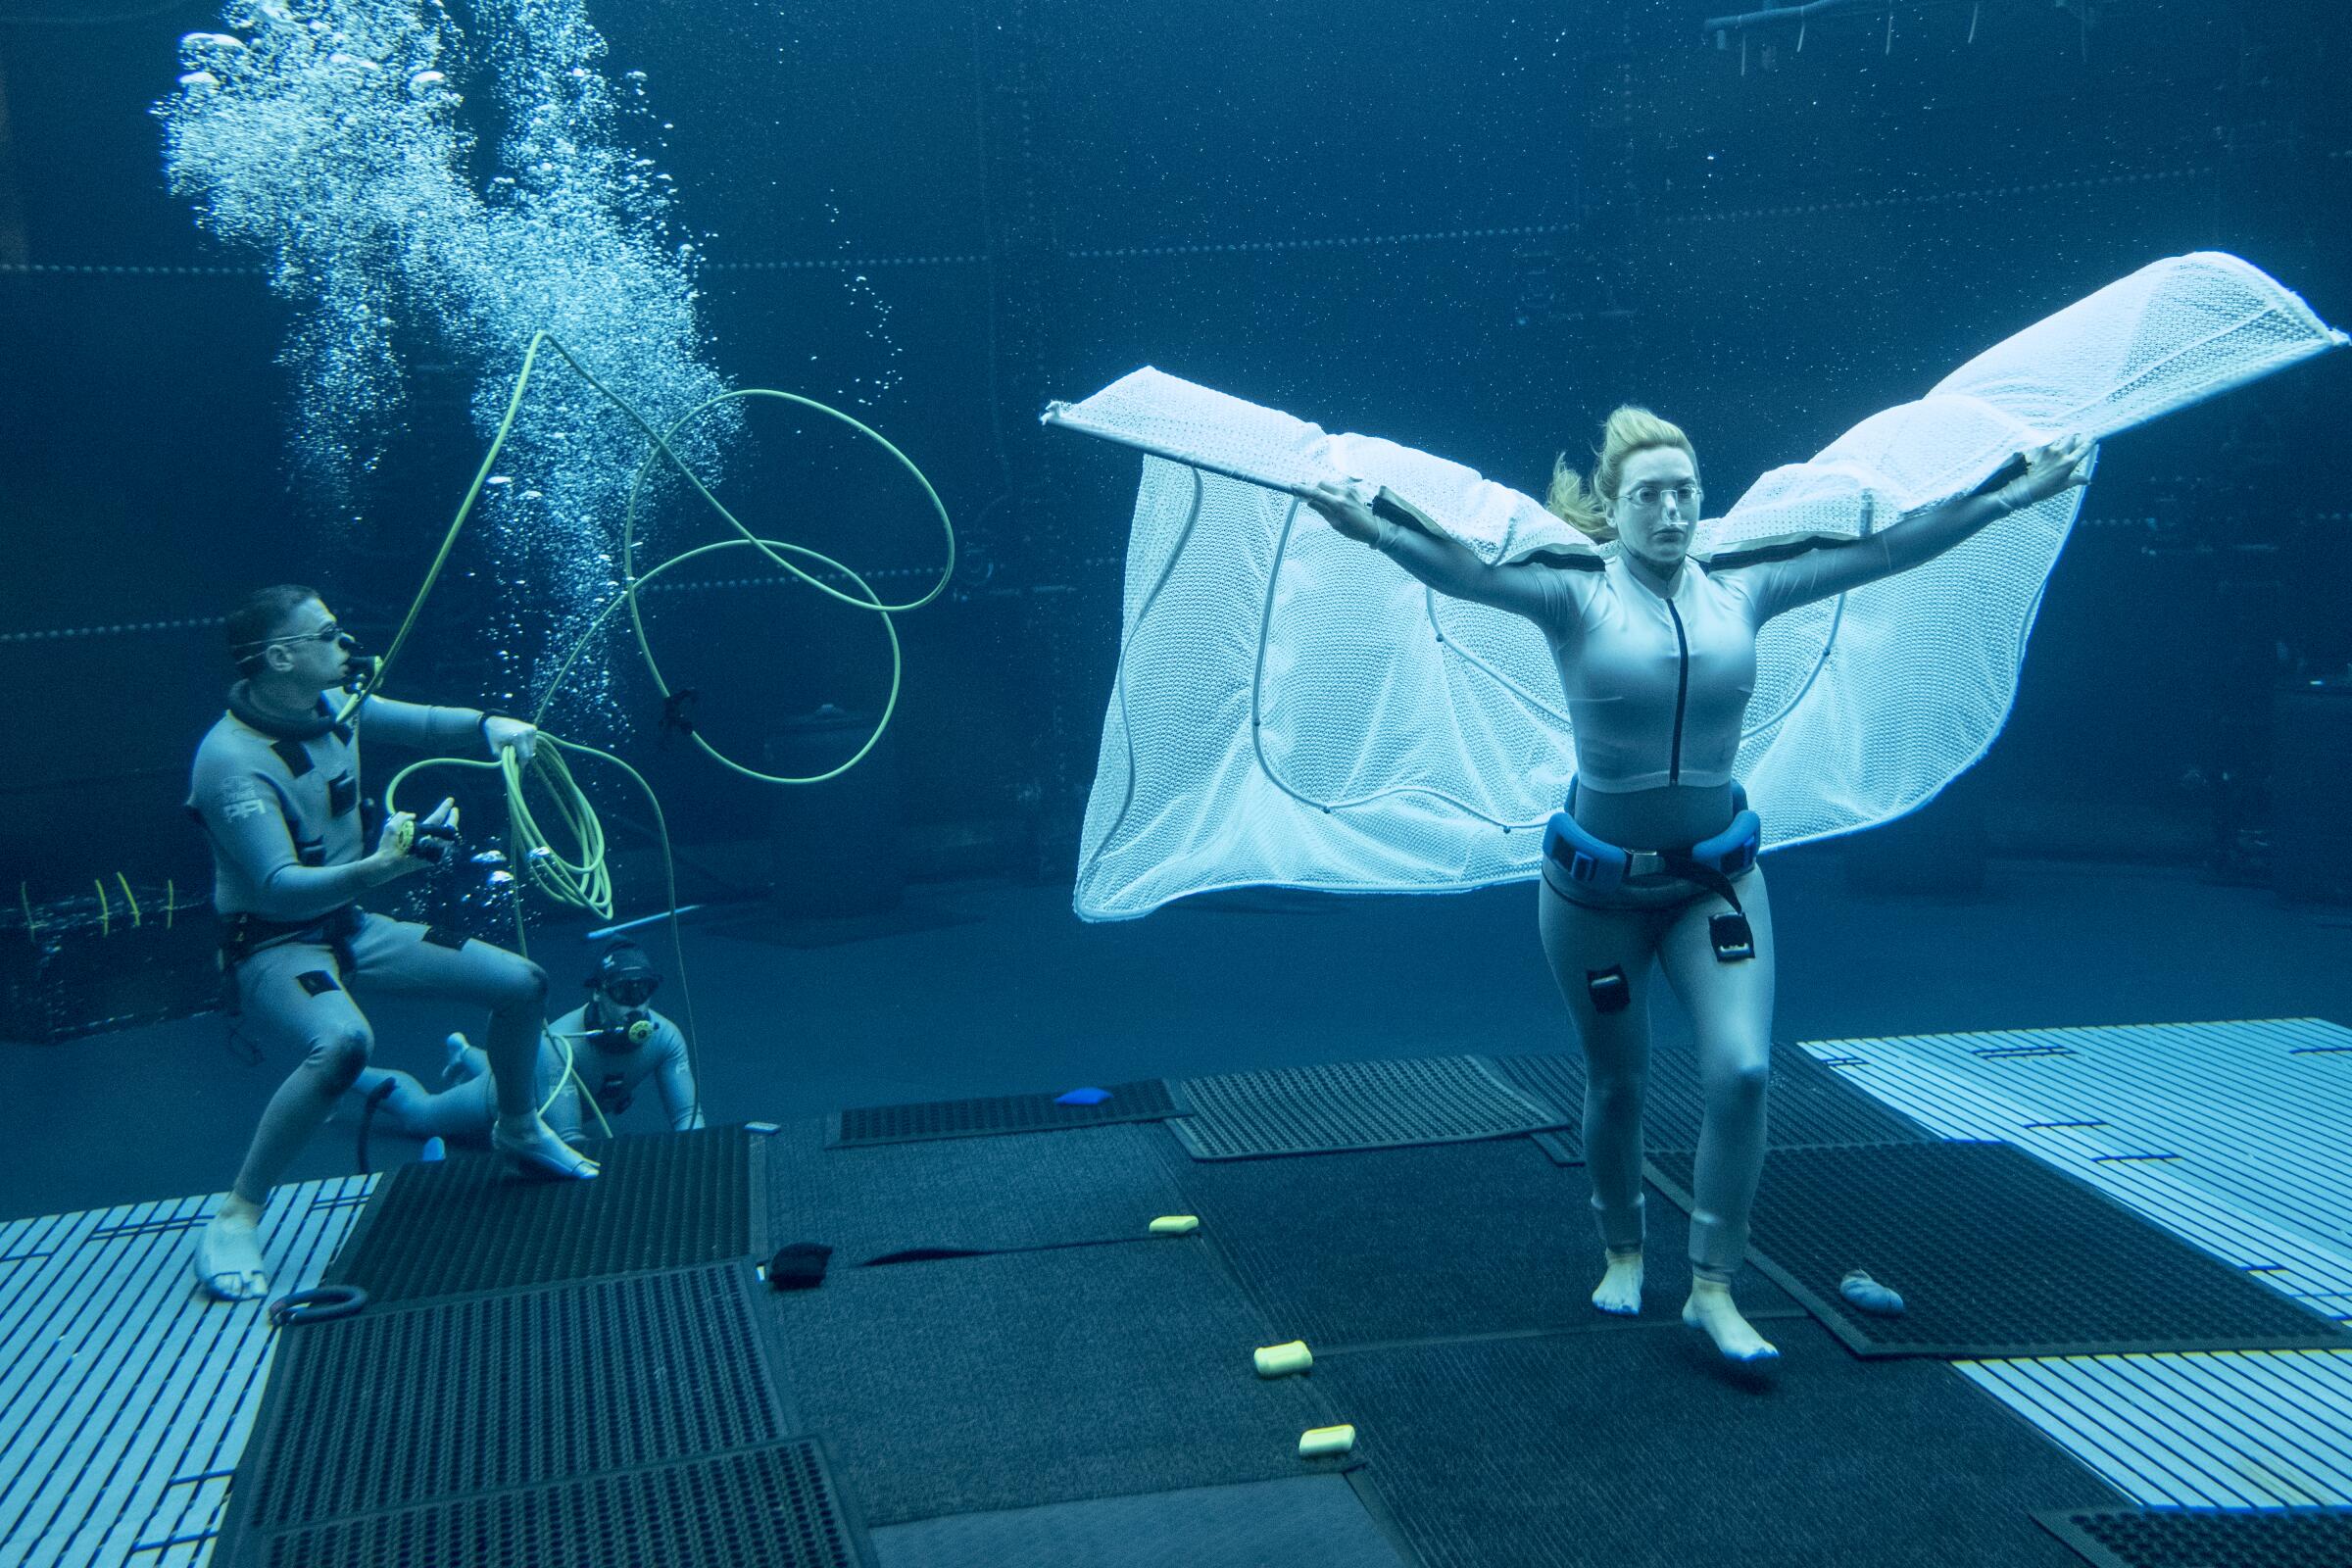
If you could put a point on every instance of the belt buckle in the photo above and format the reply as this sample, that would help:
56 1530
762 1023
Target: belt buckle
1644 862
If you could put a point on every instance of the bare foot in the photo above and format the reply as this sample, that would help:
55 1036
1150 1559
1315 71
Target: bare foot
1710 1308
1620 1289
228 1255
534 1150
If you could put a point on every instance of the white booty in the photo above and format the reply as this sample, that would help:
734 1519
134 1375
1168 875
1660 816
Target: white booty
532 1148
229 1259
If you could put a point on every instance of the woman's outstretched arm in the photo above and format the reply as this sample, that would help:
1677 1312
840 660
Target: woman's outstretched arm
1444 564
1910 541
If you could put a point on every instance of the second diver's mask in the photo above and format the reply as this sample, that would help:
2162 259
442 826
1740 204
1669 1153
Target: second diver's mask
626 987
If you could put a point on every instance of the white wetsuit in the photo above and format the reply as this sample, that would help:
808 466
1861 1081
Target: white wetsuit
1658 688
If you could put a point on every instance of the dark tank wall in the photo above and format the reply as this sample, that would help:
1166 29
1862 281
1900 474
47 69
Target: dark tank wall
1473 228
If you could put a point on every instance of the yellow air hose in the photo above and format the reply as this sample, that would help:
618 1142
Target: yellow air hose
581 876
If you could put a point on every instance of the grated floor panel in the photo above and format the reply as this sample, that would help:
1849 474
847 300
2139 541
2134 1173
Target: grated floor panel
1339 1106
1946 1224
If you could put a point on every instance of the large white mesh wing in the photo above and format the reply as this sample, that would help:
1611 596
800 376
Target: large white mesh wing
1293 708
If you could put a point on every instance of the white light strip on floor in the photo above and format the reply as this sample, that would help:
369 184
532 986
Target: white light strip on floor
2230 1078
2242 1105
125 1397
2265 1108
2241 1430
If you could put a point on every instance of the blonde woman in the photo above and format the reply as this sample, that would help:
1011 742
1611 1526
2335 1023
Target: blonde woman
1651 865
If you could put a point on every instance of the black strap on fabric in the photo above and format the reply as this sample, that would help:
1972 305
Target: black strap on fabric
317 982
1733 939
1609 988
342 795
295 755
441 936
244 935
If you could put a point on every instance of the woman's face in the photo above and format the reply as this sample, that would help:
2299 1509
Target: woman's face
1656 509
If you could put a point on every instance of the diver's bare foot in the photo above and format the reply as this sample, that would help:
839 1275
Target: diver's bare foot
228 1254
453 1060
1620 1289
1710 1308
533 1149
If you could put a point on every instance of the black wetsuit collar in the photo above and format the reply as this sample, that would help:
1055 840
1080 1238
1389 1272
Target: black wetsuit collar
240 704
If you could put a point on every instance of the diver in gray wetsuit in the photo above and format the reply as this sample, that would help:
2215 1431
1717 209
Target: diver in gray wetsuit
276 789
610 1047
1653 863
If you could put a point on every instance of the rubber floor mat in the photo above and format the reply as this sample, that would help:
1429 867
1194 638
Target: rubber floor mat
1448 1241
1361 1104
1564 1451
978 1383
982 1195
2208 1538
1810 1103
775 1506
1995 1255
1151 1099
1306 1519
396 1408
464 1224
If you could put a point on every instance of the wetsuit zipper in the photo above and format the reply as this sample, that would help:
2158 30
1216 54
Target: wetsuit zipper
1681 691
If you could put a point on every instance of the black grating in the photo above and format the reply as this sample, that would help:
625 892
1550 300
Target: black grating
1995 1255
1344 1106
773 1506
391 1409
467 1224
2206 1537
1151 1099
1810 1102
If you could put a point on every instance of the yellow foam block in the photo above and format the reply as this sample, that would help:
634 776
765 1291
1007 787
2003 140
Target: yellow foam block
1280 1361
1175 1225
1325 1440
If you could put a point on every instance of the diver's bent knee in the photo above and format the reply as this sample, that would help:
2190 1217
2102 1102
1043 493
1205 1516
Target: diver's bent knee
1624 1089
521 987
1742 1085
341 1057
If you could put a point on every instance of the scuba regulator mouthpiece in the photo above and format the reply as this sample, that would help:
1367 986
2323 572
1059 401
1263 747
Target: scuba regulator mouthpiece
641 1031
364 667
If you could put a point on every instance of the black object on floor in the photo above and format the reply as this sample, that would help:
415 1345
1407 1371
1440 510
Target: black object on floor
1021 1379
1450 1241
800 1267
774 1505
1644 1447
1995 1255
1305 1519
457 1226
397 1408
2206 1537
1151 1099
1810 1102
